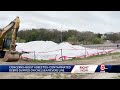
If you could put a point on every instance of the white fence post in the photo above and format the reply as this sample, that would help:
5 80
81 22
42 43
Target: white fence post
34 55
97 50
85 51
61 55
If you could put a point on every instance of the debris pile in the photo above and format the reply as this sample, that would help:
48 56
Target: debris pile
48 50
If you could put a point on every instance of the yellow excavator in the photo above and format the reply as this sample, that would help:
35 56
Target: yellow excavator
8 45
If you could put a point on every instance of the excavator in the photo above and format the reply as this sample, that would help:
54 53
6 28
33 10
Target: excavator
8 45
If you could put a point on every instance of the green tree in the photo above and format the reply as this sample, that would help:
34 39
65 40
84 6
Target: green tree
99 35
20 40
73 39
97 41
113 37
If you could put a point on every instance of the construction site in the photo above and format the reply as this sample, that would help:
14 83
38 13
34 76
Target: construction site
48 52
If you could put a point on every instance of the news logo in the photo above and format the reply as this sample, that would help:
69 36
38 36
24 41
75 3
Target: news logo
102 68
84 68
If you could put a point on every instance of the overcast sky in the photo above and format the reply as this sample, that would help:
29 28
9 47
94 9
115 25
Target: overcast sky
95 21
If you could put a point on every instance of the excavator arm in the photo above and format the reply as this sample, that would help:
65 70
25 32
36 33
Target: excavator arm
11 54
14 34
13 26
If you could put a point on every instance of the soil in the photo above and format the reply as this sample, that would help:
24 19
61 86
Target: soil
110 59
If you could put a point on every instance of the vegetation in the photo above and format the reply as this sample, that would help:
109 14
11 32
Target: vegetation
114 37
97 41
71 36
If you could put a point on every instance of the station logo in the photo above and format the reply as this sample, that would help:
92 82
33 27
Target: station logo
102 68
84 68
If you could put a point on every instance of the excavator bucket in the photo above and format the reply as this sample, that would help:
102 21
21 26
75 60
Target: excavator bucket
11 56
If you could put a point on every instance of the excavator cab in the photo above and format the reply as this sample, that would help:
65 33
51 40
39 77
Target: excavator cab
6 43
6 46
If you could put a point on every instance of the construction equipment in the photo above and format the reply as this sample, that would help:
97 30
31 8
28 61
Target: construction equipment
8 45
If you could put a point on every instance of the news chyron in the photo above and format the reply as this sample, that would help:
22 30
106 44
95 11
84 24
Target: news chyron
61 68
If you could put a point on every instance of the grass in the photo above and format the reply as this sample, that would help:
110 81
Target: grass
98 56
87 58
41 61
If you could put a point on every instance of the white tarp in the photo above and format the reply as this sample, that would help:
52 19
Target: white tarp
47 50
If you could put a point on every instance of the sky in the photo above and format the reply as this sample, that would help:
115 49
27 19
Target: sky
94 21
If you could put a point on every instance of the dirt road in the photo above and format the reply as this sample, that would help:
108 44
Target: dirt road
108 59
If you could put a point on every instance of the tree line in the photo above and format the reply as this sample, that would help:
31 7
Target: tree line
71 36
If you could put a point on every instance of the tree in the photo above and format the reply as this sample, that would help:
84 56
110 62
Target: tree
73 39
54 35
20 40
97 41
99 35
113 37
86 37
